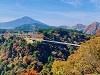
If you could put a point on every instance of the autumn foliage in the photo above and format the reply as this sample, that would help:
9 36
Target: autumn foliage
19 55
30 72
85 61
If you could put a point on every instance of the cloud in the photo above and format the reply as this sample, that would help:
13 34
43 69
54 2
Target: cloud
19 5
78 3
72 2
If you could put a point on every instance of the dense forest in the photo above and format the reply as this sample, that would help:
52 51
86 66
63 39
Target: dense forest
85 61
18 57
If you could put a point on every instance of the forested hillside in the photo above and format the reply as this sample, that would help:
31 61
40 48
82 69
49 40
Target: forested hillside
19 57
85 61
64 35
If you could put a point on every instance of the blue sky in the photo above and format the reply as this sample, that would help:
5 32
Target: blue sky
52 12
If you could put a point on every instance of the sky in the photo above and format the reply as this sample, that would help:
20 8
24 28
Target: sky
52 12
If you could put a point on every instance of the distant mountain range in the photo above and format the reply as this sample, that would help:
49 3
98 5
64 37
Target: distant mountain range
78 27
21 21
89 29
27 23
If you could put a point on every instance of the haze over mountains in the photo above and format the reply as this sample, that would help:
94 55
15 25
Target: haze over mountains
26 23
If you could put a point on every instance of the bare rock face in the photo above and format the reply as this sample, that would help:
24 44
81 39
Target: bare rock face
92 28
98 32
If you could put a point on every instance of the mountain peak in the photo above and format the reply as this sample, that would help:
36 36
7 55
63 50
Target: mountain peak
91 29
19 22
26 17
95 23
78 27
98 32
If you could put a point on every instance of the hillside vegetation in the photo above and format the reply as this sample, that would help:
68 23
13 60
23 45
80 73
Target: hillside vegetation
85 61
19 57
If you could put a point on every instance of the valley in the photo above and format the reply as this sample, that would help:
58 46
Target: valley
35 49
49 37
18 55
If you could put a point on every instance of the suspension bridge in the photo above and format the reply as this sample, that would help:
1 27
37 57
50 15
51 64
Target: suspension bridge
38 37
64 43
33 37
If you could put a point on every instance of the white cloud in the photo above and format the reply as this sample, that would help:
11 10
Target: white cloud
72 2
78 3
19 5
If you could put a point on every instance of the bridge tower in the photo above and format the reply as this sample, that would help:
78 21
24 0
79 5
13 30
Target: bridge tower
33 31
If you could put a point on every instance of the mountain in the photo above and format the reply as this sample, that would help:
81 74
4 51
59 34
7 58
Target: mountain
29 27
64 26
78 27
98 32
92 28
18 22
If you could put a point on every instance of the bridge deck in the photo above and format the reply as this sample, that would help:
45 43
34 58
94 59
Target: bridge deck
55 42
